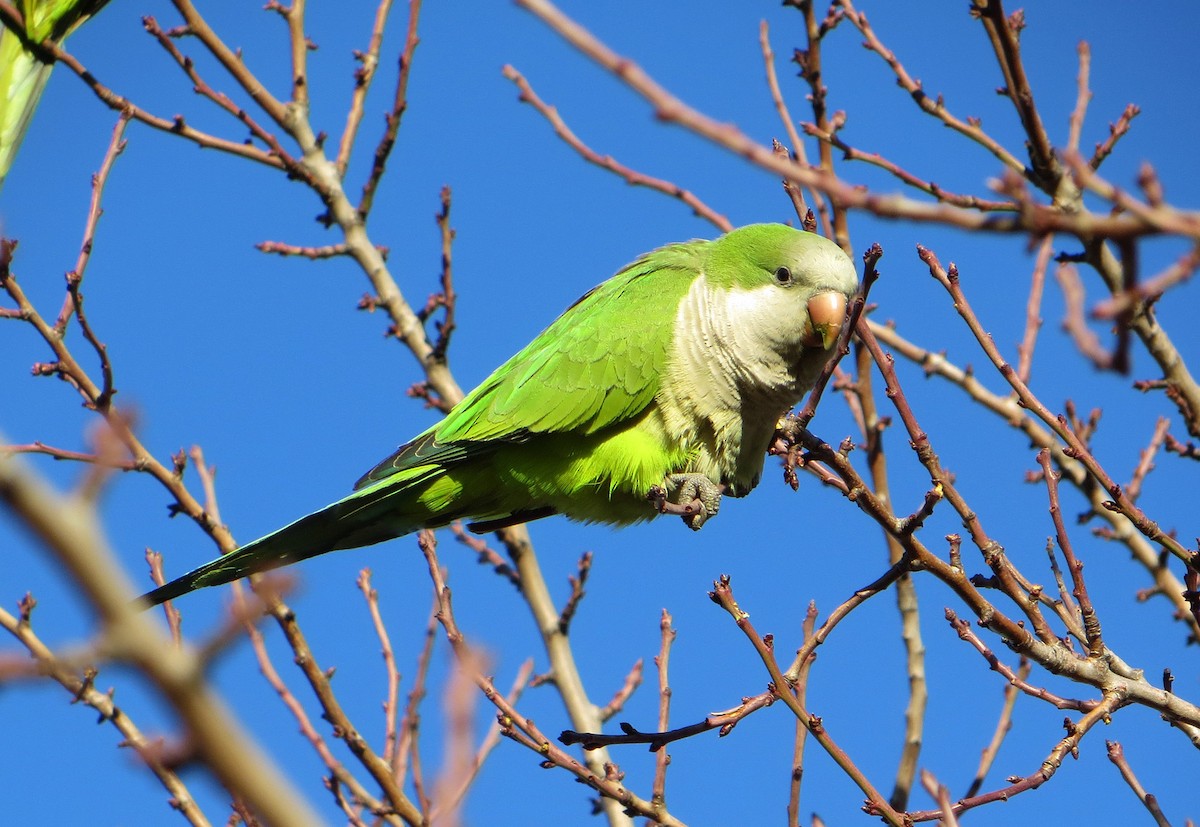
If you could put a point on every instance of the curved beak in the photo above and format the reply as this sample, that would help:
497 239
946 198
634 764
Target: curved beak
826 315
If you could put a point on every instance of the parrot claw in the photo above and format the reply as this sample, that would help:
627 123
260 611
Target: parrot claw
697 498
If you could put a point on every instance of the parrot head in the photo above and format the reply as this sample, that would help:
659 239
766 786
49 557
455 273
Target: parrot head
793 287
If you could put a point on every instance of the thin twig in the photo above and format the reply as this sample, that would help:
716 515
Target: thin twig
797 145
661 759
1116 131
873 426
1074 321
800 688
249 83
407 751
154 561
448 299
363 76
82 689
1004 32
313 253
965 632
520 728
392 122
1116 754
69 531
809 60
633 679
852 153
630 176
1033 309
341 777
459 700
1049 766
390 704
1008 408
811 641
1151 289
116 146
1133 488
1120 501
487 556
939 793
64 454
1187 450
1091 623
723 722
1036 218
300 46
520 682
1003 725
876 804
970 128
1083 96
577 581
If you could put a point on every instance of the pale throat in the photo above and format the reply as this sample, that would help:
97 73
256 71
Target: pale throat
734 369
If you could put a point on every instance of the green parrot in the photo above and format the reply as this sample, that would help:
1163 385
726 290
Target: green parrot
664 383
23 76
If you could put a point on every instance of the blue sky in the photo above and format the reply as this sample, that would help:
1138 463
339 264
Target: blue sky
293 393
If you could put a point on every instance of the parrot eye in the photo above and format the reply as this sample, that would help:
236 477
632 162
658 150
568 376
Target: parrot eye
783 275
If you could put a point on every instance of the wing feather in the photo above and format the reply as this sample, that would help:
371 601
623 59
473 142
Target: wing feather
595 366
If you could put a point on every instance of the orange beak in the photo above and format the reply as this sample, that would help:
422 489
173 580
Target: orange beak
826 315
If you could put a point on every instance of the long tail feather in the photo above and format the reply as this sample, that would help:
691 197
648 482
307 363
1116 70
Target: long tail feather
366 517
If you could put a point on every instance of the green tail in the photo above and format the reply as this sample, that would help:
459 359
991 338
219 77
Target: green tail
425 484
368 516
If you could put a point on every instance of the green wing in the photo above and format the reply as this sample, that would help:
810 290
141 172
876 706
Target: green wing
597 365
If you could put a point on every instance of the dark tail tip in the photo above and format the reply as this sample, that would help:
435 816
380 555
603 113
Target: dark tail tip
162 594
213 573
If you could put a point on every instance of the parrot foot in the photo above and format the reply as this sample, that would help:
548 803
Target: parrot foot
697 498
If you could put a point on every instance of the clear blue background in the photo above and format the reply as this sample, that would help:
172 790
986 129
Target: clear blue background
292 392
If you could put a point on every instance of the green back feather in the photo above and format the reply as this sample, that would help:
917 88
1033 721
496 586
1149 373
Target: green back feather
597 365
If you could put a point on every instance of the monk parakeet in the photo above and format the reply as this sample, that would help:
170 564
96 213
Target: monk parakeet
668 378
23 76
